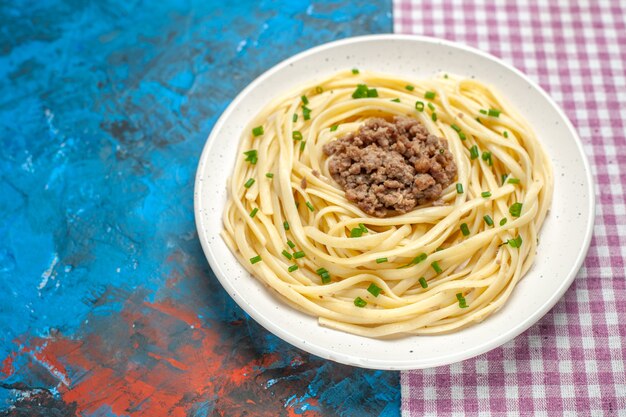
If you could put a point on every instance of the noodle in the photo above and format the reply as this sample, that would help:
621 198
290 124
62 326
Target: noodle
295 236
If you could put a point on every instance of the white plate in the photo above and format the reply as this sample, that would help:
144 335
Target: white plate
564 239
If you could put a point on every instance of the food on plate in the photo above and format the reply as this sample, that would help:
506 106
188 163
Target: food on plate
385 205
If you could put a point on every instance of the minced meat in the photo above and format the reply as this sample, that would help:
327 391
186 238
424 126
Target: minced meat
387 168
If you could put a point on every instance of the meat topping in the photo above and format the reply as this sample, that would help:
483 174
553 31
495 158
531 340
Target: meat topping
388 168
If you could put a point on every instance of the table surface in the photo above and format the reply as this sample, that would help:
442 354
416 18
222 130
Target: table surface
108 306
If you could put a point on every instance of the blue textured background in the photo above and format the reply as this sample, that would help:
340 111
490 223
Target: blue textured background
107 304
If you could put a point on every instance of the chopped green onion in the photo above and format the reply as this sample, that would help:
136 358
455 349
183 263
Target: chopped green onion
503 221
291 244
298 255
251 156
485 194
429 95
419 258
487 218
304 100
360 92
359 302
436 267
356 232
372 92
302 145
494 113
257 131
319 90
323 273
431 106
355 71
487 157
249 183
292 268
306 113
254 212
286 254
474 152
458 130
269 175
333 128
381 260
462 301
374 289
255 259
504 178
465 229
516 209
483 111
294 118
252 153
515 243
310 206
409 87
296 135
423 282
459 188
434 117
286 225
445 75
505 134
513 180
396 100
419 105
362 226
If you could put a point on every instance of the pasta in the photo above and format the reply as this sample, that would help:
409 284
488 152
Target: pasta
435 269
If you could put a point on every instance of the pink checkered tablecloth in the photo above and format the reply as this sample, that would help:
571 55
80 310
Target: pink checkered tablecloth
572 362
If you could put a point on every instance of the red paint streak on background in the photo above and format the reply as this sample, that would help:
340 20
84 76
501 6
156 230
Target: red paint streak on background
171 361
7 365
168 308
308 413
152 363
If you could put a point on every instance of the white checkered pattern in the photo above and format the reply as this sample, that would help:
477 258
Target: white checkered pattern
571 363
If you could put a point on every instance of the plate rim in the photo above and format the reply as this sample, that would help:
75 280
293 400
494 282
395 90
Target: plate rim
378 363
